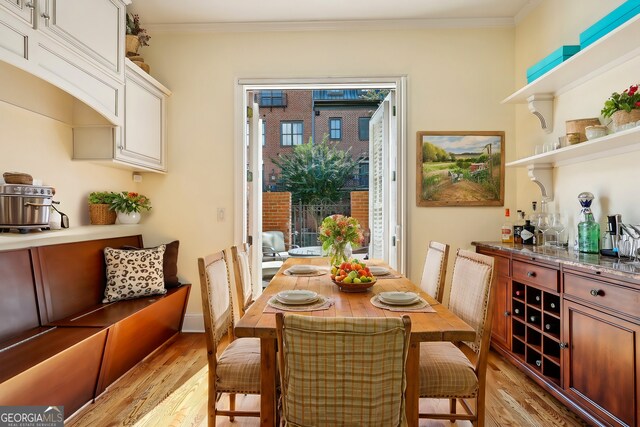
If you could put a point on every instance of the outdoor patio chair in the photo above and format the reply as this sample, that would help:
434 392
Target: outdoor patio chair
273 246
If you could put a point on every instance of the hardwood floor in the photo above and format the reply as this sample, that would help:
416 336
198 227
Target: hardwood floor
170 389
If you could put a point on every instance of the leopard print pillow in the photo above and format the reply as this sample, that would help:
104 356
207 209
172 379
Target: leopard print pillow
133 274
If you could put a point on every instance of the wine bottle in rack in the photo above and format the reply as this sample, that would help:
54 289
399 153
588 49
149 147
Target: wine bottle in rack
533 319
552 305
548 326
537 298
516 311
538 362
518 293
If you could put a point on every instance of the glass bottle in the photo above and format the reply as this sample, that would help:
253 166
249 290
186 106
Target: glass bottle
527 233
518 226
507 236
588 228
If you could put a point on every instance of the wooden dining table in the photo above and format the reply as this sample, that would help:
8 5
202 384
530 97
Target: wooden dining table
441 325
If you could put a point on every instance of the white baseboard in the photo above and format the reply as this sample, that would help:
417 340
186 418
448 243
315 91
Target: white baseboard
193 323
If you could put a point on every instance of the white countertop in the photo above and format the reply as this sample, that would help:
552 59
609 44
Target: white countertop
15 240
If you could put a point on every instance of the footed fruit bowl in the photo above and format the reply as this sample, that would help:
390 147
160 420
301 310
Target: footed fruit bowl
352 276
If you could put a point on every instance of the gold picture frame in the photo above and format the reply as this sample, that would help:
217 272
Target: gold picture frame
460 168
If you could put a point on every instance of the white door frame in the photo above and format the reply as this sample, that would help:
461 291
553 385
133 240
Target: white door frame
398 83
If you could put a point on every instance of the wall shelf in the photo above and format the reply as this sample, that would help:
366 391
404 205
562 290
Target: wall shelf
607 146
617 47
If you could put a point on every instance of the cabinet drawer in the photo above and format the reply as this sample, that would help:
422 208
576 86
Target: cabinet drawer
536 275
607 295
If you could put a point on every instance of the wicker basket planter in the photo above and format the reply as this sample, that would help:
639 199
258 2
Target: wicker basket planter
578 126
621 118
132 45
99 214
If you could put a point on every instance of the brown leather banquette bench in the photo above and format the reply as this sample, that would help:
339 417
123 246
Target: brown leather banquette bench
59 344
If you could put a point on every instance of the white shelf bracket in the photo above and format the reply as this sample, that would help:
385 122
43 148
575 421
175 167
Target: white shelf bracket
542 175
542 107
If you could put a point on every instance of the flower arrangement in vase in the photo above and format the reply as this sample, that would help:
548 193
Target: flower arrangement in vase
623 108
338 232
128 206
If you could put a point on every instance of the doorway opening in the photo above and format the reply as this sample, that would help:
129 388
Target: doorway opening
279 124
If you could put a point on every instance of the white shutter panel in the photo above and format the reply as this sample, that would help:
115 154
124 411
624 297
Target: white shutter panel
376 184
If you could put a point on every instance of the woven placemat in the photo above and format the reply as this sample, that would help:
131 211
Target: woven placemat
389 276
318 272
420 306
274 306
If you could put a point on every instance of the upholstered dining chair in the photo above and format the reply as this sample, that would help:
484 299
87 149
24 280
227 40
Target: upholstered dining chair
445 370
342 371
237 368
435 269
242 276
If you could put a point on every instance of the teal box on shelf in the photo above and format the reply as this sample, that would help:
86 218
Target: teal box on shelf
556 58
613 20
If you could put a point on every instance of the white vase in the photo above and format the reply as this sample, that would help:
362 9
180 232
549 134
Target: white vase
129 218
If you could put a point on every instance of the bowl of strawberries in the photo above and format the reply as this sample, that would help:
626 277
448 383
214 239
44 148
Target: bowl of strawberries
352 276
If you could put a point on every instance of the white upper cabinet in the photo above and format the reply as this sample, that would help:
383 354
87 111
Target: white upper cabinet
94 28
76 45
144 141
23 9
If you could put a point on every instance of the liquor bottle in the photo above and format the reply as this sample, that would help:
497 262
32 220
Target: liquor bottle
517 227
527 233
588 228
507 228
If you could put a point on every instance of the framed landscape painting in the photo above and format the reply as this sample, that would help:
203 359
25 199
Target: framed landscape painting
460 168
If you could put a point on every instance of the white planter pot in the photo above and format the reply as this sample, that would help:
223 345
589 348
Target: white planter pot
129 218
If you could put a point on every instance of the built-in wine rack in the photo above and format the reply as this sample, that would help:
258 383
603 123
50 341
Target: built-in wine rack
536 329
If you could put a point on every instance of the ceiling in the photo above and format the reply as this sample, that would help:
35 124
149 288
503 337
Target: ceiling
198 12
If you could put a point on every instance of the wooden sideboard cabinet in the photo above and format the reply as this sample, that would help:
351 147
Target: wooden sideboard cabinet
574 330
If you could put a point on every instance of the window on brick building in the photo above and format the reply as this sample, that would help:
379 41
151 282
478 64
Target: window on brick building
263 132
291 133
363 128
272 98
335 128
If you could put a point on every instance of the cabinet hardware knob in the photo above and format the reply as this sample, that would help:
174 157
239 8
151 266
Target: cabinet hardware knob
45 16
531 274
564 345
595 292
120 147
506 313
30 5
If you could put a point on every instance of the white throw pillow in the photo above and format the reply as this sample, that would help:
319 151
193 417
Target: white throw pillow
133 274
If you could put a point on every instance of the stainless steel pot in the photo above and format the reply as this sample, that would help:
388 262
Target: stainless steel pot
24 206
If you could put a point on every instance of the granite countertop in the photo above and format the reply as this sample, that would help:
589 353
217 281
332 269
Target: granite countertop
569 257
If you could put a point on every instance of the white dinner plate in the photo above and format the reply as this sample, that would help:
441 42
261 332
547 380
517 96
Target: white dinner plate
398 298
297 296
302 269
378 271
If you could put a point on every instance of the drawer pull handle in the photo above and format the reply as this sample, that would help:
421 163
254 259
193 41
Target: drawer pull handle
595 292
506 314
531 274
564 345
45 16
29 5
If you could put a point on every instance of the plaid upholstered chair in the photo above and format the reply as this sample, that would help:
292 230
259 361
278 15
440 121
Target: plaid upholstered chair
237 369
342 371
435 269
445 370
242 276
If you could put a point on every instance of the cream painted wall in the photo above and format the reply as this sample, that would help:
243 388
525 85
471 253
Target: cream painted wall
611 179
456 79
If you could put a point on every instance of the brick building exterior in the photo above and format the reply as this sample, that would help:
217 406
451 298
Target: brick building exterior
291 117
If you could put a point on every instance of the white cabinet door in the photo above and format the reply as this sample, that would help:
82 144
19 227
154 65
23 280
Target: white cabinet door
23 9
94 28
14 40
144 141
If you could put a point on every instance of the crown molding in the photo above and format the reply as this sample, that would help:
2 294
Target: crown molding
526 9
354 25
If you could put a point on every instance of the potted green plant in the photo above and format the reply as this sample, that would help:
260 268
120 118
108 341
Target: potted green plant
100 211
136 35
128 206
623 108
